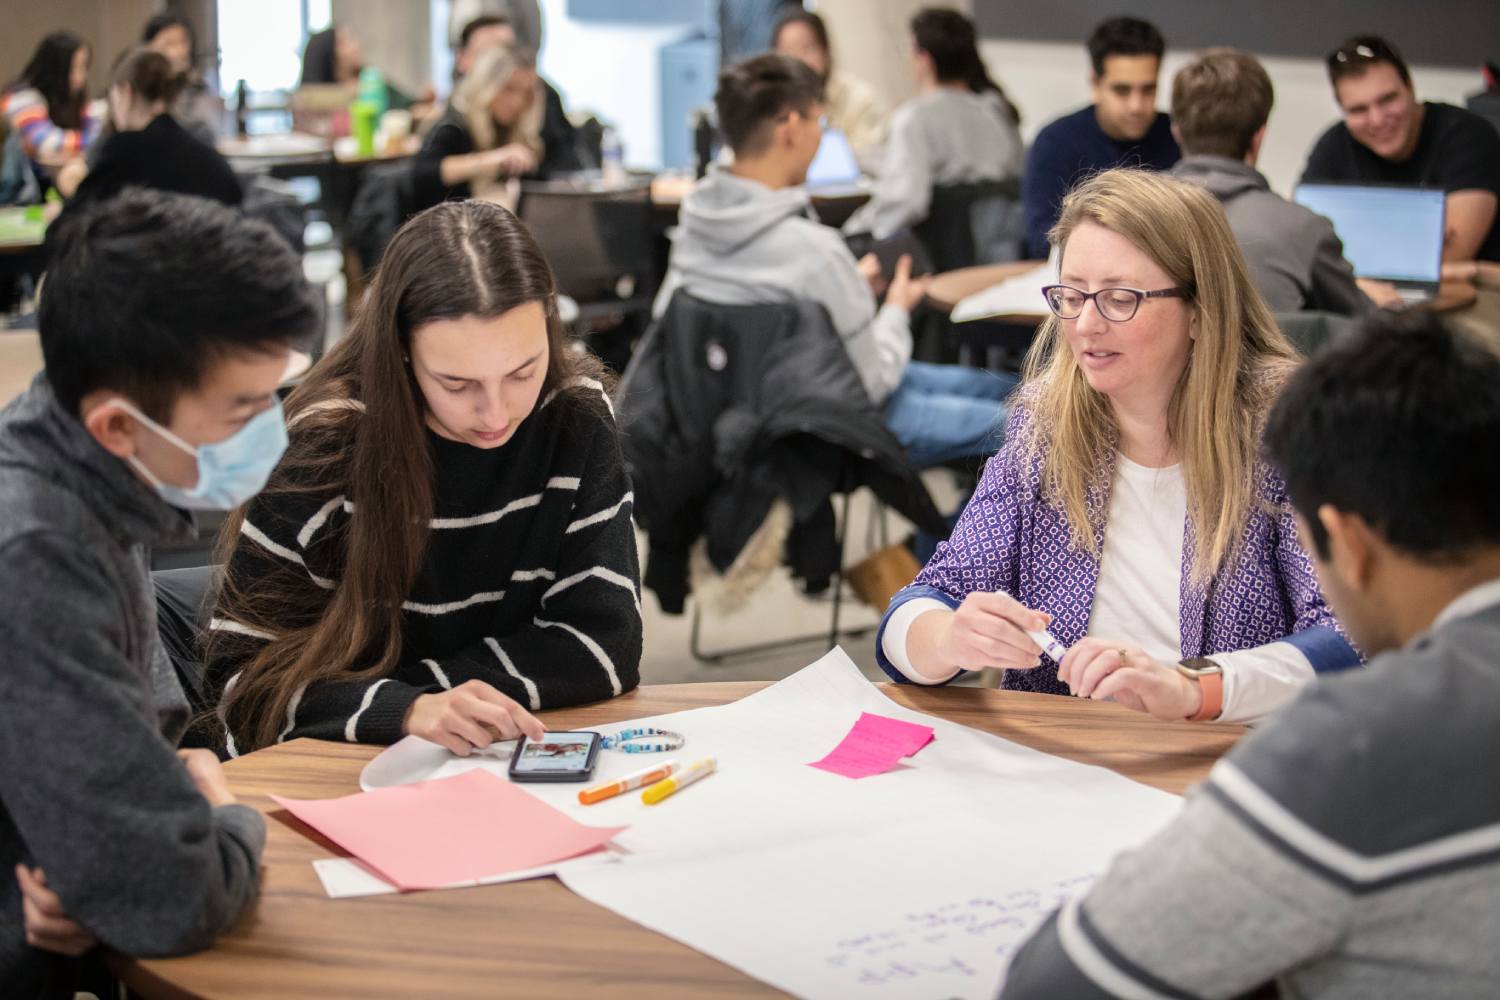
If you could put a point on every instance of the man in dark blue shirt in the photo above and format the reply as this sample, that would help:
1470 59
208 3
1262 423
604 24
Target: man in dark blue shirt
1121 128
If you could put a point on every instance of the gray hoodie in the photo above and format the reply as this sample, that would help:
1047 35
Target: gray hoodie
91 791
1295 258
739 242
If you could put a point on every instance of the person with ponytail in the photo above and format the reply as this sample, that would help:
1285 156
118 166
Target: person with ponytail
447 545
959 129
149 148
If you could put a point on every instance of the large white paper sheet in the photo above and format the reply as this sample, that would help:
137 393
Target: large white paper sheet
914 883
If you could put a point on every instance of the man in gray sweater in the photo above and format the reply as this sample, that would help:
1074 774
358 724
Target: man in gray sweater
1220 104
165 325
1351 847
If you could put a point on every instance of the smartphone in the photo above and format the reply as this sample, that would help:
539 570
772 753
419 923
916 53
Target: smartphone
555 757
891 249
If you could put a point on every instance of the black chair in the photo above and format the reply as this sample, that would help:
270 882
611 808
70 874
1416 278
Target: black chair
1313 332
974 223
599 241
182 614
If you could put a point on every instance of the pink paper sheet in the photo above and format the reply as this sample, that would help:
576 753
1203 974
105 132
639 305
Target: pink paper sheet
436 833
874 745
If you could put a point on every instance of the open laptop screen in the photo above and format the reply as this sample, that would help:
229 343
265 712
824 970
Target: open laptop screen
834 165
1390 233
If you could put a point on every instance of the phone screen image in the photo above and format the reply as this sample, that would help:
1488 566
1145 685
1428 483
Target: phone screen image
566 752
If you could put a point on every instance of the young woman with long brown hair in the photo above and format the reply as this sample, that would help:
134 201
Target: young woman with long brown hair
447 545
1130 510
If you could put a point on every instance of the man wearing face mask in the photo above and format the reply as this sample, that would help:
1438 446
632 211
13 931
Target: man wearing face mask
166 326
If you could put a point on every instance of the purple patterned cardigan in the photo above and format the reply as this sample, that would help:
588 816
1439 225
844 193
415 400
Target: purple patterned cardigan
1008 538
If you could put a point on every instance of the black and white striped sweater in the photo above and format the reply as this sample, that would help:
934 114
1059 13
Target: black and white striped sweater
530 580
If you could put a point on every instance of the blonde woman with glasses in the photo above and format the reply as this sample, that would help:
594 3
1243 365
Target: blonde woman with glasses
1129 512
490 133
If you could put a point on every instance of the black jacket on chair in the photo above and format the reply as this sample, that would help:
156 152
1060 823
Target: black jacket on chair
726 408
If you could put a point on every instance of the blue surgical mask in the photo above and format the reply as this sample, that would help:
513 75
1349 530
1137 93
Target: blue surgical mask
230 471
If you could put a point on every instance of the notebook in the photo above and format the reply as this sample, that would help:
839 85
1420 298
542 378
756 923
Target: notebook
1393 234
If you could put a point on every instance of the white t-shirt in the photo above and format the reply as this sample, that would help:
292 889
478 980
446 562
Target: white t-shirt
1138 596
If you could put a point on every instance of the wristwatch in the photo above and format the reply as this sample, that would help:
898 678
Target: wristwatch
1210 678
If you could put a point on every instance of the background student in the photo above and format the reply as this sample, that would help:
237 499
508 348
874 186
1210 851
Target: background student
1388 137
1347 849
490 133
47 105
197 109
334 55
447 546
1220 104
1129 509
959 129
1121 128
849 103
149 147
165 326
745 237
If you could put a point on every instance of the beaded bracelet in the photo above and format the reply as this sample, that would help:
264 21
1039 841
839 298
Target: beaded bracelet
626 741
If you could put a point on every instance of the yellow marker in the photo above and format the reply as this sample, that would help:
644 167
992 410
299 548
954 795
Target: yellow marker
688 775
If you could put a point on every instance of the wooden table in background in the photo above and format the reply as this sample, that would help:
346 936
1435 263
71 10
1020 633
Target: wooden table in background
952 287
537 939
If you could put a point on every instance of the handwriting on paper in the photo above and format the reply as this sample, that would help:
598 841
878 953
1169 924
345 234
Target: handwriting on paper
929 944
875 745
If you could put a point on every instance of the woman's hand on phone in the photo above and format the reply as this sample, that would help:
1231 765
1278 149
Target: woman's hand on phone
469 717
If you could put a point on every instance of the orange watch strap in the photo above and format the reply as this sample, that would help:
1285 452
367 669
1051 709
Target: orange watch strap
1211 687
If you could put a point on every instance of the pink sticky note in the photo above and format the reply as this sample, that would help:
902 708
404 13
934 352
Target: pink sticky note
436 833
874 745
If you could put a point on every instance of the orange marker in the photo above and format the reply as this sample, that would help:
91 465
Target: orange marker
609 790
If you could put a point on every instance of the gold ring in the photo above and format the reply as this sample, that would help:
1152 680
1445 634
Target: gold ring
1124 657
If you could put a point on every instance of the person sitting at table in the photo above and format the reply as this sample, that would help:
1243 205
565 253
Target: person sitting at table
490 133
745 237
959 129
1220 104
149 147
447 546
849 103
197 109
1128 511
1121 128
48 104
1389 137
166 324
1347 849
334 55
560 150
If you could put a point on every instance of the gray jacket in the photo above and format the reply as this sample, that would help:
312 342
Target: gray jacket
1295 258
742 243
91 791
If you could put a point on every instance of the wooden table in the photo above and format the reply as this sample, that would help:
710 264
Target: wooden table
537 939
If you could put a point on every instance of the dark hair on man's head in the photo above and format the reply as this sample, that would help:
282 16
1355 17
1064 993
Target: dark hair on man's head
148 74
753 95
479 24
1124 36
813 23
146 291
1358 54
1400 424
1219 101
158 23
49 71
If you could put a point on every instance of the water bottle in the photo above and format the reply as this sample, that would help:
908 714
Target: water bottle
612 157
241 110
372 90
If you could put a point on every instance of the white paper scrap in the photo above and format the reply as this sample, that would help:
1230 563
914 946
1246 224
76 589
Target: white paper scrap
1017 296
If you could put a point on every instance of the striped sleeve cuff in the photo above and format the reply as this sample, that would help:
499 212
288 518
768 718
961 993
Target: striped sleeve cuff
381 713
890 642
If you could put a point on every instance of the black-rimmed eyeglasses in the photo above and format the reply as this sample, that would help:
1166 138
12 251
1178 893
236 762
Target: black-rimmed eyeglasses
1118 305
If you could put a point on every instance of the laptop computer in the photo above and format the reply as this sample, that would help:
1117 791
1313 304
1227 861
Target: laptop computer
1393 234
835 165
